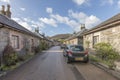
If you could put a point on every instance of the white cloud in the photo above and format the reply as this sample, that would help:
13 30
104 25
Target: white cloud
104 2
74 20
50 21
29 24
49 10
118 3
22 9
67 21
80 2
7 1
80 16
89 21
23 23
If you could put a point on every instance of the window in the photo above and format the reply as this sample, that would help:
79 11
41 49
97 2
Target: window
77 48
95 39
15 41
32 42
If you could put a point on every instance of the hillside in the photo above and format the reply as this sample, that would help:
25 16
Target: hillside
60 36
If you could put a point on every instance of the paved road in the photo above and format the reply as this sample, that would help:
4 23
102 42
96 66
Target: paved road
48 66
51 65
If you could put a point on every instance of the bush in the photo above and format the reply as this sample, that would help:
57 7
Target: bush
37 49
106 52
9 55
44 46
22 57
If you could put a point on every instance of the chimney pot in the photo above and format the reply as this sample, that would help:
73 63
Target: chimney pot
3 10
8 12
82 26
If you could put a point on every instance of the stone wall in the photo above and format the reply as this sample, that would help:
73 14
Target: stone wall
111 35
4 38
24 40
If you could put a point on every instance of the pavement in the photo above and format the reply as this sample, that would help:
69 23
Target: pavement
114 73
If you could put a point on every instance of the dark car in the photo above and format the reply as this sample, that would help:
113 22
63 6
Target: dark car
76 53
63 46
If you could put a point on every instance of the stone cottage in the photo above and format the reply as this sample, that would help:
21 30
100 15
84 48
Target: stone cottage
107 31
20 38
76 38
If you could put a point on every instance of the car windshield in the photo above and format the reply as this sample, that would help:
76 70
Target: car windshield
77 48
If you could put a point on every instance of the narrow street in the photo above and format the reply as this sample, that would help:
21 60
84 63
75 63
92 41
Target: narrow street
51 65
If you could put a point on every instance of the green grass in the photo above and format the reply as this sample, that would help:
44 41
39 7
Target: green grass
109 63
94 58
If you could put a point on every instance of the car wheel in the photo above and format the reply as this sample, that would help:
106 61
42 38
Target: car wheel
68 60
86 61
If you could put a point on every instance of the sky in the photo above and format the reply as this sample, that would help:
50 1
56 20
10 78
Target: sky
61 16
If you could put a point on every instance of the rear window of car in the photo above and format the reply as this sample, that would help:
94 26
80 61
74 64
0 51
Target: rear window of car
77 48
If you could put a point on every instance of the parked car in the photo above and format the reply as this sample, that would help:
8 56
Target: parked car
63 46
75 53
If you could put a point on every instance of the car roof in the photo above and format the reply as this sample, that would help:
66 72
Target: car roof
73 45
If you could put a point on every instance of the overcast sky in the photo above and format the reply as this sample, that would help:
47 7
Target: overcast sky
61 16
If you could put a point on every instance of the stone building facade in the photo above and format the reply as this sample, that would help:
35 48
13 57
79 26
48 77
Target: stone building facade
76 38
20 38
107 31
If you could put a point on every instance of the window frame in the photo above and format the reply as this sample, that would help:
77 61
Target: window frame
15 41
95 39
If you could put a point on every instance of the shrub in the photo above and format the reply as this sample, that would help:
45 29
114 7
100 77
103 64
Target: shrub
22 57
37 49
44 46
9 55
106 52
103 50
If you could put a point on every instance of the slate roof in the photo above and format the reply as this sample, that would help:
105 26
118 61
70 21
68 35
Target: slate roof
12 24
103 24
79 34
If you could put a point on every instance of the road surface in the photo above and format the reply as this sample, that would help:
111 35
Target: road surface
51 65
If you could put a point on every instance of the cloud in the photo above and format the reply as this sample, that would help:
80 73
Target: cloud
80 16
29 24
92 21
65 20
7 1
118 3
22 9
73 20
23 23
89 21
80 2
49 10
50 21
104 2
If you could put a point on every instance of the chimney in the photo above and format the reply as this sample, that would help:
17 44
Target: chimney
3 10
82 26
37 30
8 12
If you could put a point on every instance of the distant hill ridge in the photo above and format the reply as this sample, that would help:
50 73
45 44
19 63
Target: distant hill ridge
61 36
